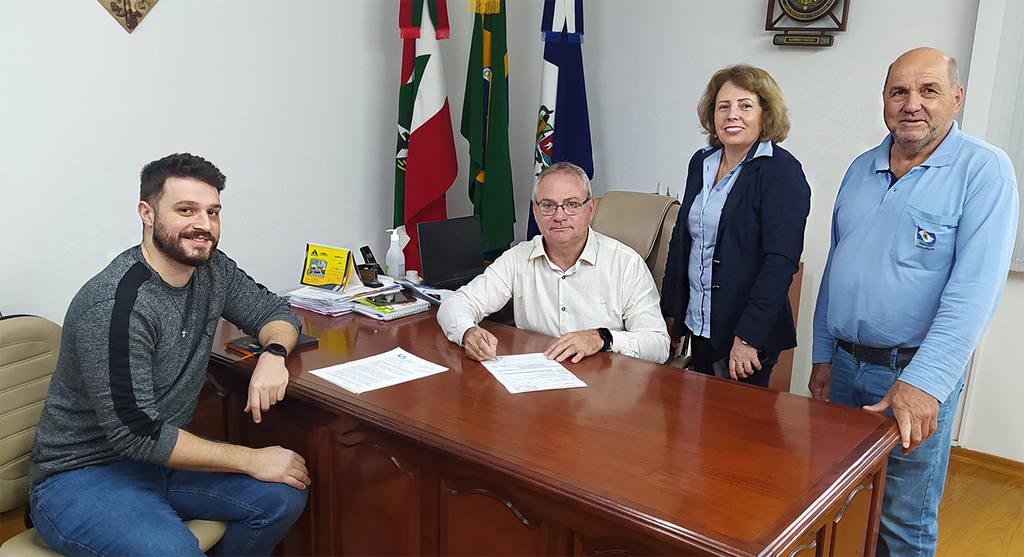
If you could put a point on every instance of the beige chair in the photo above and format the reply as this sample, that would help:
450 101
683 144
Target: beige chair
642 221
28 355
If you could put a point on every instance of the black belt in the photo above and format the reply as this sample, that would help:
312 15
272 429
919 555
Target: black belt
877 356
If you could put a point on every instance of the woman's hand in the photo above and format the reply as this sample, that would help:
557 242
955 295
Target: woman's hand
673 339
743 360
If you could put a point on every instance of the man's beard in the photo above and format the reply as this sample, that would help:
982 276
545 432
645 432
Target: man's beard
174 246
930 134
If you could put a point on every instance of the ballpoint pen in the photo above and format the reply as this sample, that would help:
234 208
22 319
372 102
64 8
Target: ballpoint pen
481 332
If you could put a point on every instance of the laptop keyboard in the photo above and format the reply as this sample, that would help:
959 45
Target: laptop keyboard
453 284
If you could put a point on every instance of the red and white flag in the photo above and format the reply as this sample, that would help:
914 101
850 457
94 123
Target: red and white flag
425 163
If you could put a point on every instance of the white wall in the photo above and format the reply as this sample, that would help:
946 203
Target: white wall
992 412
296 102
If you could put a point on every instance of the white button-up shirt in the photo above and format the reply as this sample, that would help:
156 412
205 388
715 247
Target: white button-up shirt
609 286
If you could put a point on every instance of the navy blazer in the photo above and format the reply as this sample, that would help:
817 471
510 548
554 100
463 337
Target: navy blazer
760 238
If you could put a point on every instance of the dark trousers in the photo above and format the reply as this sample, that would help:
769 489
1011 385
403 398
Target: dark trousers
703 360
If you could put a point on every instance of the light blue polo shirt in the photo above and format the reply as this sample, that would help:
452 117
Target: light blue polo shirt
922 263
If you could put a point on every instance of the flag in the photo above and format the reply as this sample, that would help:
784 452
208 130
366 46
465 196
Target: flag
426 164
485 125
563 121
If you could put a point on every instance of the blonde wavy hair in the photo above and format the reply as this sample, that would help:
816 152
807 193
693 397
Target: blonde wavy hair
774 116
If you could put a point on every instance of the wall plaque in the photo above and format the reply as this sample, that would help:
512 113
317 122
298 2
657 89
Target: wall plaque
806 22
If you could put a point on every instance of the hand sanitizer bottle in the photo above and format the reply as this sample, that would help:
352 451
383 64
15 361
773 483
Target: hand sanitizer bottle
394 260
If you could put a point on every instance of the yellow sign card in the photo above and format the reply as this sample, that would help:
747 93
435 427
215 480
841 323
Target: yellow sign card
328 267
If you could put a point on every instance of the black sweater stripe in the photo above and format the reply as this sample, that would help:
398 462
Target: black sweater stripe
121 389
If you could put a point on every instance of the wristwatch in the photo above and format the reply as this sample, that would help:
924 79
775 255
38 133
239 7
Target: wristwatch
275 349
606 336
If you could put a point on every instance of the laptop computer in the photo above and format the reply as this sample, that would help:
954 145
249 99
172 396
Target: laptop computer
451 251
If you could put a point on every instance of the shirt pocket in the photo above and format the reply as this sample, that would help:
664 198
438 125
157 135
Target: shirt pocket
924 241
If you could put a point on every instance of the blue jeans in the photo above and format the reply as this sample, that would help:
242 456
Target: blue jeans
136 508
914 482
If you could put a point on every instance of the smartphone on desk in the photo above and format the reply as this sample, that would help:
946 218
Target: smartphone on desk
390 299
251 346
369 259
721 367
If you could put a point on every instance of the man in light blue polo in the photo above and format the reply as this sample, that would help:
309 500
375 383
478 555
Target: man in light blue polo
922 232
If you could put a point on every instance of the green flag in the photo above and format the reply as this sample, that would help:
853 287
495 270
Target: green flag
485 125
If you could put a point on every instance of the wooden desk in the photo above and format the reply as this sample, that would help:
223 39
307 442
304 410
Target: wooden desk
646 460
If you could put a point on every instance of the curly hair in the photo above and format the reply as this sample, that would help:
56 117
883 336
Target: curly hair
774 116
178 165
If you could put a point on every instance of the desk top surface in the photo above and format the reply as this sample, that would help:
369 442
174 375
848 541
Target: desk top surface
687 456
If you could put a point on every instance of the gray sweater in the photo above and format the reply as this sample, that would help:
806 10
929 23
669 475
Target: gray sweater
127 377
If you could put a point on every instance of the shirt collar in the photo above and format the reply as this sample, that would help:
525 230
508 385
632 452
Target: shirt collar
947 150
589 254
764 149
590 249
943 155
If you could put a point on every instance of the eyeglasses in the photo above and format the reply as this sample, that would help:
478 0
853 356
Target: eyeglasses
570 208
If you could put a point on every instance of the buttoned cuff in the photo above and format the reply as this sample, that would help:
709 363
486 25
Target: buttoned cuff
458 331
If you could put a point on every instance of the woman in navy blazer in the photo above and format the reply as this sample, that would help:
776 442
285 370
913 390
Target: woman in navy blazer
740 231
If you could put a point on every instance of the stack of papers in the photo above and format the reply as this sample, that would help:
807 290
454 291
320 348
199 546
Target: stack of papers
328 302
320 301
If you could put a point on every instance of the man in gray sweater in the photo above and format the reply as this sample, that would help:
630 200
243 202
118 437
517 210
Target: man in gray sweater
114 471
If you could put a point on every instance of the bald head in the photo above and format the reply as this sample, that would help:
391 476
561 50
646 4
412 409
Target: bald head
927 56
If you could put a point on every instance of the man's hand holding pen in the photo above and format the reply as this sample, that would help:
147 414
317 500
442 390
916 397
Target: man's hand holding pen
480 344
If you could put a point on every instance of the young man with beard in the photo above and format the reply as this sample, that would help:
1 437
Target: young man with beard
114 471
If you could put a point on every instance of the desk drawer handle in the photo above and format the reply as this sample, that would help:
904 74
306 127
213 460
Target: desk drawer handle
800 548
850 498
394 459
477 486
508 504
360 438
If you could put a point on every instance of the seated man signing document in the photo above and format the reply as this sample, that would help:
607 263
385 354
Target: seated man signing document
592 292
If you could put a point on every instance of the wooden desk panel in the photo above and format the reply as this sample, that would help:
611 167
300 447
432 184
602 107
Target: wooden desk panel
646 459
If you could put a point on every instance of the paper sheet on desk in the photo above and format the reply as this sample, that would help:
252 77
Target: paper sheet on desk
383 370
524 373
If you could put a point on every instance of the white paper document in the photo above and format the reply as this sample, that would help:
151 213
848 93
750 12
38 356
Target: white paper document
383 370
524 373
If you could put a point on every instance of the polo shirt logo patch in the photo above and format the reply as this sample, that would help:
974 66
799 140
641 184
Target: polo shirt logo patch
924 239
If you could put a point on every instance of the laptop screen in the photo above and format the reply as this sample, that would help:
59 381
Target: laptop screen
451 249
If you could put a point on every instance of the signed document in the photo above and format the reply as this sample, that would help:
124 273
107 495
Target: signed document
524 373
383 370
